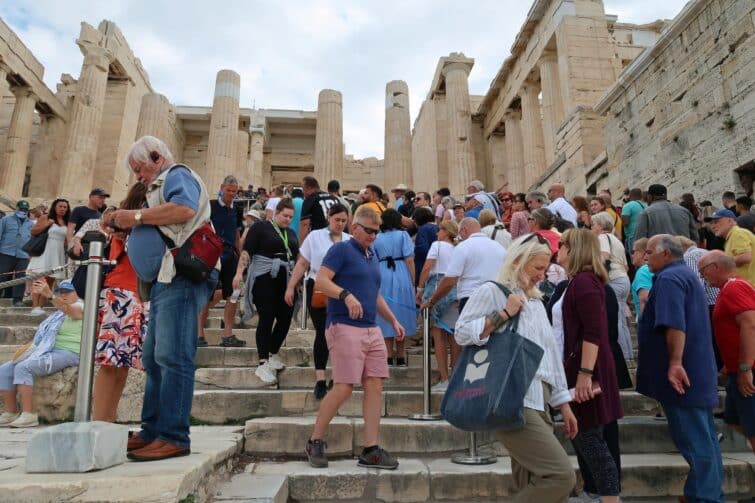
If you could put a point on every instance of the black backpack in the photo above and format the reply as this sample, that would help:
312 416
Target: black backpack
561 223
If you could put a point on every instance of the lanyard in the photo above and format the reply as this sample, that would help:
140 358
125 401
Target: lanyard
284 237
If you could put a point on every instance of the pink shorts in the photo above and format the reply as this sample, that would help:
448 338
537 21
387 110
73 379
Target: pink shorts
356 353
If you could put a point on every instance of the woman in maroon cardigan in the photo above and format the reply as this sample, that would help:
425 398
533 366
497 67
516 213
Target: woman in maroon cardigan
588 360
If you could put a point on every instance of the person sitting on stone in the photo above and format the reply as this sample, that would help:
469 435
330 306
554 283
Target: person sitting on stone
56 345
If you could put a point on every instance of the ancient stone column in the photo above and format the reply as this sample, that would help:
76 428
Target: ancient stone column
532 132
16 155
329 157
514 154
398 135
242 171
45 168
553 105
224 124
153 117
82 137
461 167
496 146
256 157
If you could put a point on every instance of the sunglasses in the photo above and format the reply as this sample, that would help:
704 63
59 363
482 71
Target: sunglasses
506 200
535 235
368 230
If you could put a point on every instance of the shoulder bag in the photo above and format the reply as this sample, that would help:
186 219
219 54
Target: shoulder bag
36 245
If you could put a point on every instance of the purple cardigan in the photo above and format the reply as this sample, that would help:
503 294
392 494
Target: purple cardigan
584 311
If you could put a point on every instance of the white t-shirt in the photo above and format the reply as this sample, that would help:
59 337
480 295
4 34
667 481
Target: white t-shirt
272 203
610 244
441 252
315 246
475 260
563 208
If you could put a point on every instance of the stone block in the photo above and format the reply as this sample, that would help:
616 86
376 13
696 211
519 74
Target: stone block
450 481
76 447
342 480
410 483
252 488
288 436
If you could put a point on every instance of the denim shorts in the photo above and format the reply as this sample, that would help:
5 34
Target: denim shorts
739 410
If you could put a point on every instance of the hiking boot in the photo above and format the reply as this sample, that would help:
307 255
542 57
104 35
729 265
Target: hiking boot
275 362
377 457
25 420
321 389
232 342
201 342
6 418
316 453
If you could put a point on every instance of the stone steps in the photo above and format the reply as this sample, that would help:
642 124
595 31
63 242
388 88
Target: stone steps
286 436
659 477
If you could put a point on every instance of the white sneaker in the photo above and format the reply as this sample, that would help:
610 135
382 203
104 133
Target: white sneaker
275 363
7 418
25 420
441 386
266 374
37 311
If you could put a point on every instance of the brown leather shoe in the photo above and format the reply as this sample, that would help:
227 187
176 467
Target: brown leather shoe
158 450
135 442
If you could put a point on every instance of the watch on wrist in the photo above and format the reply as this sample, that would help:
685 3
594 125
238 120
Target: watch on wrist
744 367
138 217
344 293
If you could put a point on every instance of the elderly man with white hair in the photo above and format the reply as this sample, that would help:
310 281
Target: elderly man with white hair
178 205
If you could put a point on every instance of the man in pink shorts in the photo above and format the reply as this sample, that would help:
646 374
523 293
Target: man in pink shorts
350 277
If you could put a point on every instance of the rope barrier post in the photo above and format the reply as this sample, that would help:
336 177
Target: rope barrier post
303 312
83 445
83 408
426 415
473 456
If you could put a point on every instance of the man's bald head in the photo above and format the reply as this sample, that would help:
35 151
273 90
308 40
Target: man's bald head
556 190
468 226
716 268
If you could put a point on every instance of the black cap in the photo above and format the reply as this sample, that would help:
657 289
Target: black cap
657 190
99 192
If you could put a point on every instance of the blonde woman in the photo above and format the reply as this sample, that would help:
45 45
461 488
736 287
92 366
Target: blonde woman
541 469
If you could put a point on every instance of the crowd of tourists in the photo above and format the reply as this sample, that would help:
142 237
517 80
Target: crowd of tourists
576 273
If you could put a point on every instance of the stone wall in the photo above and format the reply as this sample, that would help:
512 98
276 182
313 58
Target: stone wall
683 114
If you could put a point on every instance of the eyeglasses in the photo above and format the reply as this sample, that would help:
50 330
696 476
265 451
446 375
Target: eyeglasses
540 239
703 268
369 230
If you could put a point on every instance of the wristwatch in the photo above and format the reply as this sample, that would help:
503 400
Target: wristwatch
744 367
344 293
138 217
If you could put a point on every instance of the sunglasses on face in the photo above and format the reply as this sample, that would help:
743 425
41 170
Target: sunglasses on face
369 230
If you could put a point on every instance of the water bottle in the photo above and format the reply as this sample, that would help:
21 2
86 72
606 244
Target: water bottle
237 293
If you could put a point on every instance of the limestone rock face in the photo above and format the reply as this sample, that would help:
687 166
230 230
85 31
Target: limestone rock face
55 395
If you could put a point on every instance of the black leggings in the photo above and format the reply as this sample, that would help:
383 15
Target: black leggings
274 315
598 457
318 316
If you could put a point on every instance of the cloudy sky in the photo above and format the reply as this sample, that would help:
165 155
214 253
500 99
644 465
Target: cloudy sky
287 51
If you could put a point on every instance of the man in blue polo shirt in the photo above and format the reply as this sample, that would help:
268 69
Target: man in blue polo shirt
350 277
676 365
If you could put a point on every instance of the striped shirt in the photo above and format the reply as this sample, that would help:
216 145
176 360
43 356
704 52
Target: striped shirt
691 258
534 325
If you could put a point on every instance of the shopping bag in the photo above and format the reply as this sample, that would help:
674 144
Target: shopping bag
486 391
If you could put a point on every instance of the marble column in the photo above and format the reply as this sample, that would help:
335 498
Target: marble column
45 168
16 155
84 124
496 145
532 133
398 135
514 154
224 124
242 172
256 157
153 117
553 105
329 156
461 166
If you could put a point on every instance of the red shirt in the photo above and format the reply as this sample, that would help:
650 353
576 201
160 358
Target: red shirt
737 296
122 276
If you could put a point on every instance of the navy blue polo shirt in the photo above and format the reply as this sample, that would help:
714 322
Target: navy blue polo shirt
228 223
358 272
677 300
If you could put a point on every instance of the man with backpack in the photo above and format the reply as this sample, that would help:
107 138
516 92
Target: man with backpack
560 207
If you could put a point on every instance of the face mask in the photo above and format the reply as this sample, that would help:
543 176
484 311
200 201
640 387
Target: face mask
22 213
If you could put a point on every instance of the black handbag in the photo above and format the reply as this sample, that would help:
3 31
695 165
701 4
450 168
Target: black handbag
35 247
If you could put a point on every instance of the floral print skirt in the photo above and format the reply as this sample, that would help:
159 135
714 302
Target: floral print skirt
123 326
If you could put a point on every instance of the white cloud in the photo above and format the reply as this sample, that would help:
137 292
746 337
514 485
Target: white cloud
287 51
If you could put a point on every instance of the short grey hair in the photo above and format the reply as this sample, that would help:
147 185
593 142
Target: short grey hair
447 202
726 262
364 213
604 220
670 243
143 148
537 196
230 180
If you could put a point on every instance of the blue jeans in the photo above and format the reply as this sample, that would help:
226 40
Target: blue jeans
695 435
168 358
